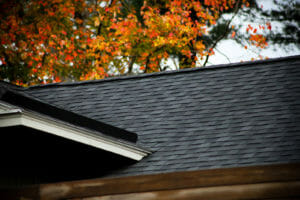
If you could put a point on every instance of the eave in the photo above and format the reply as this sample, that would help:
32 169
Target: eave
14 116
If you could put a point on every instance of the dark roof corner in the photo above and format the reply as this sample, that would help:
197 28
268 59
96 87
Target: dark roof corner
4 84
25 101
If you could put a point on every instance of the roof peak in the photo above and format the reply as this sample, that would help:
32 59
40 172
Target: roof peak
172 72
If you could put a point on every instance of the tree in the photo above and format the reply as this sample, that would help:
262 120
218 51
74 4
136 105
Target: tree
44 40
57 40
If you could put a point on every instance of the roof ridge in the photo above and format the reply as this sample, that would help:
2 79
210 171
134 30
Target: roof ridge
172 72
10 85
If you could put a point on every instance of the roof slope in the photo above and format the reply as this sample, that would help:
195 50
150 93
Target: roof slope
222 116
20 109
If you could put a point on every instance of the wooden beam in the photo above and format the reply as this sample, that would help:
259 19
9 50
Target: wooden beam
283 190
167 181
171 181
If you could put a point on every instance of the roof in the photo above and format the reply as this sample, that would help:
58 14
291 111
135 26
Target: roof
20 109
20 98
240 114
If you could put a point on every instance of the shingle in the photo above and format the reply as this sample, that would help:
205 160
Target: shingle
221 116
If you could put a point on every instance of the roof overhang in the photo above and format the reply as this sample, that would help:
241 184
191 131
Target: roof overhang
14 116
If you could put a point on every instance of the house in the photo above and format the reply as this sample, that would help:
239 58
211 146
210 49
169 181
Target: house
219 132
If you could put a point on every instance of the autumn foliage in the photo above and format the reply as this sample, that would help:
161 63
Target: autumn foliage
56 40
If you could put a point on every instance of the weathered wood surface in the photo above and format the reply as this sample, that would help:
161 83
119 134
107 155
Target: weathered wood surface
233 192
179 182
172 181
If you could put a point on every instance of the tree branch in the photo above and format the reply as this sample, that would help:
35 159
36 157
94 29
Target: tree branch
223 55
100 25
175 64
237 6
148 57
130 64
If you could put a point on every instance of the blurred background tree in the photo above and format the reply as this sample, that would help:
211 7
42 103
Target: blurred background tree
69 40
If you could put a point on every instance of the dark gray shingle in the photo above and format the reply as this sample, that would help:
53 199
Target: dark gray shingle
223 116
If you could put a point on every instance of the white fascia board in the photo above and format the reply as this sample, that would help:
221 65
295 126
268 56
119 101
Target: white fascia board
71 132
4 107
10 118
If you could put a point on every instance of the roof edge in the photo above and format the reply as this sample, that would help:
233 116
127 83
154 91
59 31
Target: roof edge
172 72
30 103
10 85
41 122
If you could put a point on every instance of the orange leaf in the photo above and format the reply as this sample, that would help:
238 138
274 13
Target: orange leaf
233 34
57 79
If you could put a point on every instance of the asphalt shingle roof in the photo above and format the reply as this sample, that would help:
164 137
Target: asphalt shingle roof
222 116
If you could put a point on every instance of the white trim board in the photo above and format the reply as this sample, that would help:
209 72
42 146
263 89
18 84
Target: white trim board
17 117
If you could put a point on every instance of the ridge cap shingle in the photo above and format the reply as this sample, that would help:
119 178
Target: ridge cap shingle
172 72
11 86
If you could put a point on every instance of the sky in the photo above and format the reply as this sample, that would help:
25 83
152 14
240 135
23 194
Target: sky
236 53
